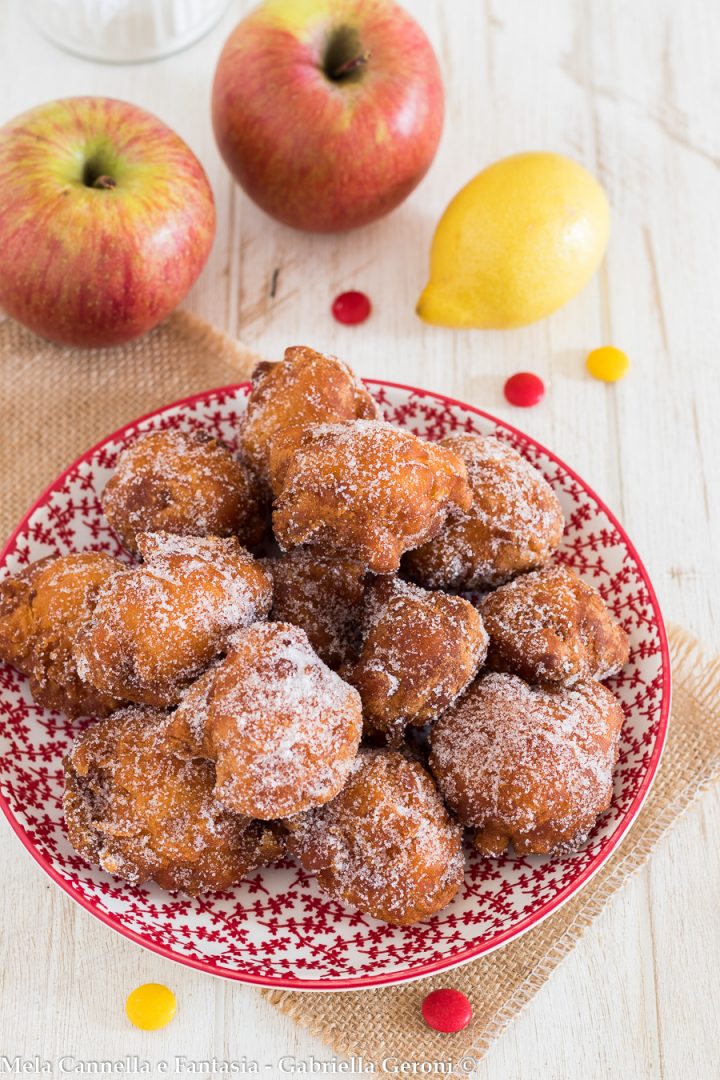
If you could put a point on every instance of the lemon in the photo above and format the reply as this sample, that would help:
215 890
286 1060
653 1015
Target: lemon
516 243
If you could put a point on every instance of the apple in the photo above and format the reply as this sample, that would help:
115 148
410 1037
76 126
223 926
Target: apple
328 112
106 220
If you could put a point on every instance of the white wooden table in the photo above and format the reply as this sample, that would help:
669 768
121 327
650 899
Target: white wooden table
632 90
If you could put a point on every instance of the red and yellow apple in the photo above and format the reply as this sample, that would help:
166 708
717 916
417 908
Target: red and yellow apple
328 112
106 220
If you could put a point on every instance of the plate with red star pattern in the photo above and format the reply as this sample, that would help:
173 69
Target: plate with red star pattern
276 928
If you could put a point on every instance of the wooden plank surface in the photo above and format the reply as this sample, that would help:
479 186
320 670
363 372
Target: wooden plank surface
631 90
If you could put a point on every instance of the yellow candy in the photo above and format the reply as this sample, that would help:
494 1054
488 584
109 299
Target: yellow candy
607 363
150 1006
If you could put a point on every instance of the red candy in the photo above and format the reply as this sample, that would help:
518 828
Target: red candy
524 389
446 1010
351 307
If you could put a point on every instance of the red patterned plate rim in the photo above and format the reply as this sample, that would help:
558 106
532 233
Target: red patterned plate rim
474 951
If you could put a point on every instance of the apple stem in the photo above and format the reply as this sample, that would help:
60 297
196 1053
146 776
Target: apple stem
350 65
105 183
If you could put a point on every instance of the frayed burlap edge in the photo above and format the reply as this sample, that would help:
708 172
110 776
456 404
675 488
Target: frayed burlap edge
380 1023
55 401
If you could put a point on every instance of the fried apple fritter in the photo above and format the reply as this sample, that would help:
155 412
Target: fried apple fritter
528 766
281 727
365 490
420 650
513 524
157 626
136 810
43 609
552 627
385 844
323 595
184 482
303 388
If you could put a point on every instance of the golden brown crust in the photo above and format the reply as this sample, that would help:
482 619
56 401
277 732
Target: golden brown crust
365 489
138 811
184 482
514 523
527 766
303 388
552 627
420 650
386 844
156 627
322 594
43 609
189 720
282 727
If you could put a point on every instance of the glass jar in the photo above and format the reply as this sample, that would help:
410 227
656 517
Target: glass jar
125 31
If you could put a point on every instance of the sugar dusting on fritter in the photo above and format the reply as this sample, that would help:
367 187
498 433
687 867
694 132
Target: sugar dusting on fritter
556 625
514 513
519 754
372 489
186 461
386 844
141 812
283 726
181 604
429 645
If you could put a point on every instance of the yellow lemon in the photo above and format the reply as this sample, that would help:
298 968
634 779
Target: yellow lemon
516 243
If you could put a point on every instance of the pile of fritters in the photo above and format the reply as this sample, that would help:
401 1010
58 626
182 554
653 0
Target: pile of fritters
289 664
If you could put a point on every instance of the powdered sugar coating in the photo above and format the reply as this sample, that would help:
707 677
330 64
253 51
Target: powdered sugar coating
305 387
323 595
189 720
528 765
43 609
386 844
364 489
157 626
550 626
187 483
138 811
282 727
420 650
514 524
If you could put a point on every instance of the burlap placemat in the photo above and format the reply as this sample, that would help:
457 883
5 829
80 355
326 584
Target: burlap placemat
56 402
